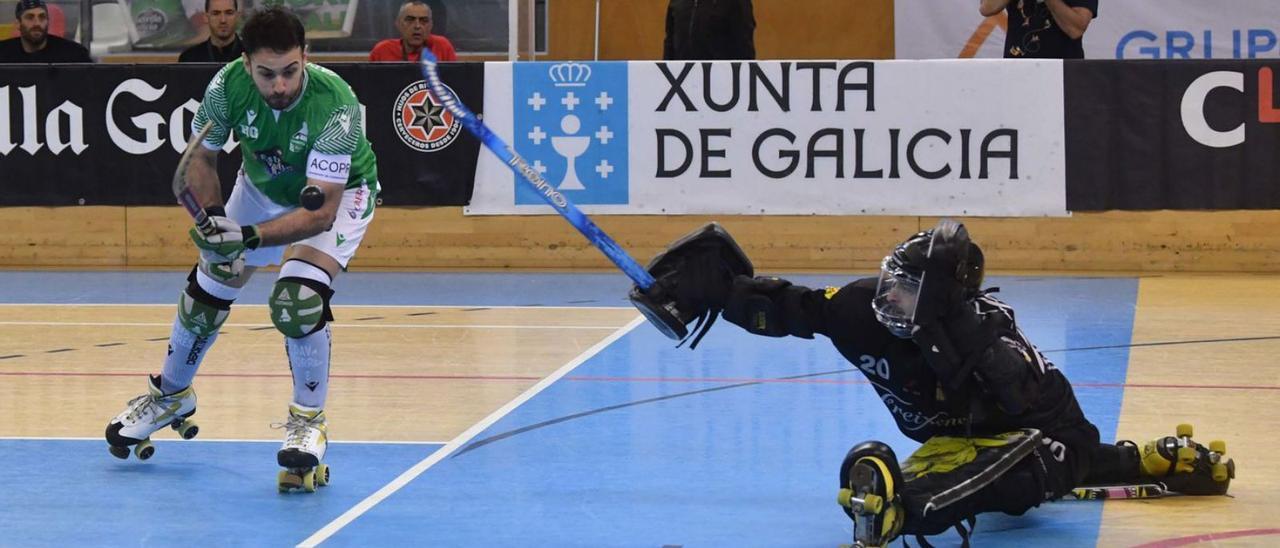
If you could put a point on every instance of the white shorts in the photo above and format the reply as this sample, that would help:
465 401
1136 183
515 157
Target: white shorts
248 206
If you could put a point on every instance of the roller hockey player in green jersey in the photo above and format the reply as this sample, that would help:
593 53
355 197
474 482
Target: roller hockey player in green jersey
1000 425
298 125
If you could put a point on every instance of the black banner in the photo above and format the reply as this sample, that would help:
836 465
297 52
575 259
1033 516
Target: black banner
112 134
1146 135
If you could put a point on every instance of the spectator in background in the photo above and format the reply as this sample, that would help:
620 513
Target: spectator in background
34 43
709 29
414 24
1044 29
223 45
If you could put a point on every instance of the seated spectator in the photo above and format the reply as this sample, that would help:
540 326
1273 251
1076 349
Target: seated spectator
414 23
223 45
34 43
702 30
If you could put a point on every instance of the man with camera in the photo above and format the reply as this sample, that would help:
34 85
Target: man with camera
1044 29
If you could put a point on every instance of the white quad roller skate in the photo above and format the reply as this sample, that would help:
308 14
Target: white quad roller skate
150 412
306 437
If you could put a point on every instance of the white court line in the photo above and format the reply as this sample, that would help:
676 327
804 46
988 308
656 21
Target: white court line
228 440
394 306
462 439
336 325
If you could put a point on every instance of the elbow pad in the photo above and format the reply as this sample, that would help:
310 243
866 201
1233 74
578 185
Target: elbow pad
767 306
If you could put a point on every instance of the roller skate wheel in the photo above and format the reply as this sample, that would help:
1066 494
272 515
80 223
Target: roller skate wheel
1218 446
144 449
282 481
119 452
322 475
842 497
187 429
1187 455
1184 430
309 481
1220 473
872 504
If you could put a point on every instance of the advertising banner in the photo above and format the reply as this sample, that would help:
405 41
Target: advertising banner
782 138
1130 29
112 134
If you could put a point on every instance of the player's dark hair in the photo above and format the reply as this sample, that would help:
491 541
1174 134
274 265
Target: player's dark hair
234 3
274 28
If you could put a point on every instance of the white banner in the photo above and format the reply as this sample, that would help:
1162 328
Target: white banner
963 138
1124 29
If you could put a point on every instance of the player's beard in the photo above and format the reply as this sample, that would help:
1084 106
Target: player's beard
35 37
281 101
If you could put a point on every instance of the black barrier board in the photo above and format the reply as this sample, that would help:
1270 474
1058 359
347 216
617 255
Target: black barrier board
1145 135
112 134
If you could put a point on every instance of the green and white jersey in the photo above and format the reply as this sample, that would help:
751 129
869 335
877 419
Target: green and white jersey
320 136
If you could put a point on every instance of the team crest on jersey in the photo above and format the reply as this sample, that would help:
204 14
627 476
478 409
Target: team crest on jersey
273 160
421 121
247 131
299 140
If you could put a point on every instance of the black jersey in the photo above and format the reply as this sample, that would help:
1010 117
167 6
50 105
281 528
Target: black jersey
897 369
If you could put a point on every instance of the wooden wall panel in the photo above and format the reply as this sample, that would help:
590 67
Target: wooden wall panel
428 238
785 29
80 236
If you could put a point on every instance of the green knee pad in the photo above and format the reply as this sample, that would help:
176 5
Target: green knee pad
299 306
199 317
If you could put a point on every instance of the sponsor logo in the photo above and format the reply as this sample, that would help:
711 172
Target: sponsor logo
913 419
571 125
1184 44
149 22
341 240
357 203
299 140
421 120
197 349
1197 94
330 166
273 161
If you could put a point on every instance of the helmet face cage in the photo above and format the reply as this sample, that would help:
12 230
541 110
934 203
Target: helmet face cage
897 292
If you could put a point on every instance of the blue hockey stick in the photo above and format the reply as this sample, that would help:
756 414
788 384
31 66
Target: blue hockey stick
662 316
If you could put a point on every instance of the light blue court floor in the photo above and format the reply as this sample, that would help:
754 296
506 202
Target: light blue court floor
737 443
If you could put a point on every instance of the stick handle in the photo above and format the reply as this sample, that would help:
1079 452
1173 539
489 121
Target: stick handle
553 197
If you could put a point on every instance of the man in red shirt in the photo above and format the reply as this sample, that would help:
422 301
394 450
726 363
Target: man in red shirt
414 23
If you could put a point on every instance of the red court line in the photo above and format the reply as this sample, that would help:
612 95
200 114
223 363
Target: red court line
1209 537
713 380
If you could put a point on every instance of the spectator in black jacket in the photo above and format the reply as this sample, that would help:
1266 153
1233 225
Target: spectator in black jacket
35 44
223 45
709 30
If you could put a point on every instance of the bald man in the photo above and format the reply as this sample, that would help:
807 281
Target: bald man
414 23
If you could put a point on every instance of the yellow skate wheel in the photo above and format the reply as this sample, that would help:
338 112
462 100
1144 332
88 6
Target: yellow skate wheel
1184 430
119 452
309 481
1220 473
1187 455
322 475
282 481
842 498
1218 446
872 504
144 449
187 428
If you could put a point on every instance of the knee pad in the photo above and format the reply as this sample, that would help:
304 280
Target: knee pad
199 312
299 306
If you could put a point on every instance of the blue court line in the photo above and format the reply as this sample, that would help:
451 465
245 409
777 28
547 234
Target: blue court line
352 288
72 493
751 466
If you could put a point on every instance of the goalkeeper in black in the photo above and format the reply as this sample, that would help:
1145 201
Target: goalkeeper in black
1000 425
